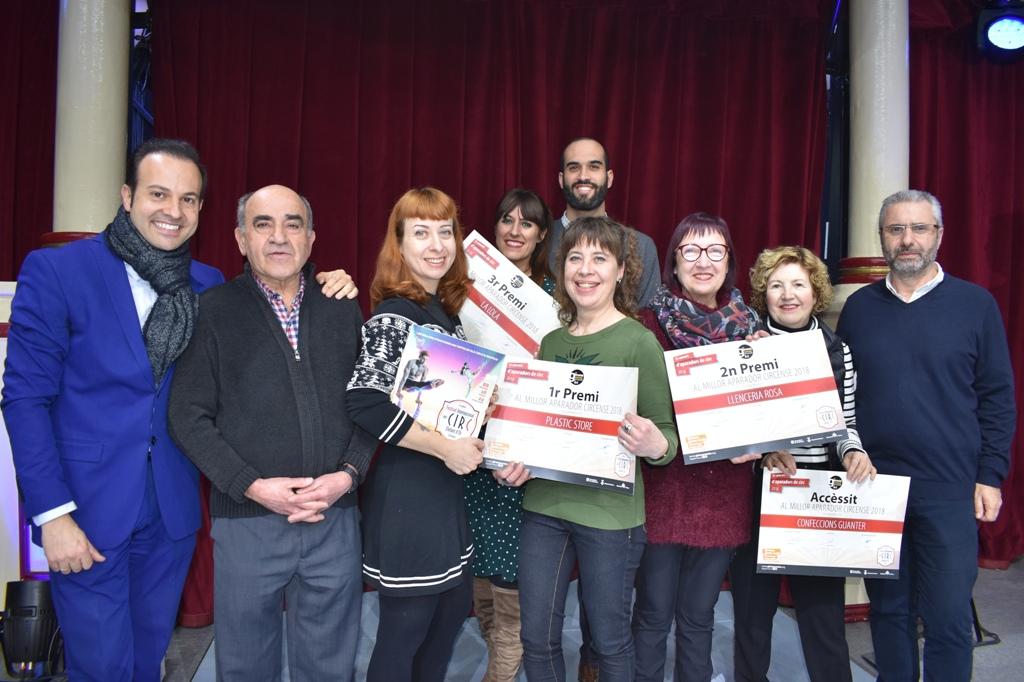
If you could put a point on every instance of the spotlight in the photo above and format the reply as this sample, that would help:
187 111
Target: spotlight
1001 31
29 634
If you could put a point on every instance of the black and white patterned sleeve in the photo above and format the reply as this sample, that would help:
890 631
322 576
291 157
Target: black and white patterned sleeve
368 398
848 393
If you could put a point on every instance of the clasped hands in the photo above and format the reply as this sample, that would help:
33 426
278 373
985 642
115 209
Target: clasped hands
300 499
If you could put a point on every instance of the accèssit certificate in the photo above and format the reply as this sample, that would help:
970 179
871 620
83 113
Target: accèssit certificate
819 523
505 310
562 421
743 397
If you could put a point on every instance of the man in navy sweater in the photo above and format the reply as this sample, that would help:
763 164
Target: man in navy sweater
934 402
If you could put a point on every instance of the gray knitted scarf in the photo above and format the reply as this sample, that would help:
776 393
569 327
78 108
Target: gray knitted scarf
173 318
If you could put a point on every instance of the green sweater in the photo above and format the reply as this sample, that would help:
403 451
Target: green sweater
624 344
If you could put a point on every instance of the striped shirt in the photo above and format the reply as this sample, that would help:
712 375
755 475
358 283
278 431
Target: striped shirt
818 455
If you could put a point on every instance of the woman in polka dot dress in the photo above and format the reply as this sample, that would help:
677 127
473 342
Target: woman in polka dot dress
495 511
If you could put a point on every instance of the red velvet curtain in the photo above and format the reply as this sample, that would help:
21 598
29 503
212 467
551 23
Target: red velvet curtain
28 103
965 148
702 106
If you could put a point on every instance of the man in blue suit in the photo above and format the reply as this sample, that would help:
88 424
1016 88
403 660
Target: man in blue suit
95 329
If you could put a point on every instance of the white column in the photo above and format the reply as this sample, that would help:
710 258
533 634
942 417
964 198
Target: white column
879 133
879 114
92 113
879 151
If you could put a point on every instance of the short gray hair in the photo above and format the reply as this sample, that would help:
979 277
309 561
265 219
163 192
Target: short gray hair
244 199
910 196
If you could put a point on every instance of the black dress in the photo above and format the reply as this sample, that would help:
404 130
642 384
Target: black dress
416 538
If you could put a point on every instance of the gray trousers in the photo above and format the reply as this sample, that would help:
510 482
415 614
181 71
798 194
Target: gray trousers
260 564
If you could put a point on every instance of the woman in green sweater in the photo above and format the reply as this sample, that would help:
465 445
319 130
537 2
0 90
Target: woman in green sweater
564 523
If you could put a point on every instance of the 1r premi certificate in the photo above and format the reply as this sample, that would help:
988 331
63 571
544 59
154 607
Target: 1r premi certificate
562 422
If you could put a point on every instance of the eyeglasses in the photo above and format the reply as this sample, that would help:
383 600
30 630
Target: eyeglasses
919 229
691 252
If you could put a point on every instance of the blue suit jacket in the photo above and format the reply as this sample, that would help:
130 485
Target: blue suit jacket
79 398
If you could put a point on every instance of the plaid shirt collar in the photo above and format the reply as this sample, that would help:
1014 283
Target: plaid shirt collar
288 317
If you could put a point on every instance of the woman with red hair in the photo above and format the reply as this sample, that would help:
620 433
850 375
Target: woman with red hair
417 546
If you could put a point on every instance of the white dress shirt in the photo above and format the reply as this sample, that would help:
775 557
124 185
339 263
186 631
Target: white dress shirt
921 290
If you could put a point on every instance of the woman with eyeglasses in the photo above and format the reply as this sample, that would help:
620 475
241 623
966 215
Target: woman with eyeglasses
789 285
697 515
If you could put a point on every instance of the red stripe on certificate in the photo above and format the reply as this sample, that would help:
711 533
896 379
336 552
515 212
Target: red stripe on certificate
830 523
684 361
780 481
754 395
478 249
514 371
509 327
600 427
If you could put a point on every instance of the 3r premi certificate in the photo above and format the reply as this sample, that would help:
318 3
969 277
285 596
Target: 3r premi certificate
505 311
743 397
819 523
562 422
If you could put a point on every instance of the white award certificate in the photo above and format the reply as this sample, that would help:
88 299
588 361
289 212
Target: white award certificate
819 523
742 397
505 310
562 422
445 383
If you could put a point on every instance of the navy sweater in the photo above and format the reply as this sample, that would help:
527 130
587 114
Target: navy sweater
935 385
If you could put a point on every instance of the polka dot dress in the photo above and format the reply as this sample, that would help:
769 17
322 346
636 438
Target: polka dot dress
495 514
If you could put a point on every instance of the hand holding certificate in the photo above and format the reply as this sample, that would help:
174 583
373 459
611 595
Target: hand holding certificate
742 397
505 310
563 421
819 523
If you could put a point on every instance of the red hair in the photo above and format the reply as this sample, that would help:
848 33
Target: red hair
393 278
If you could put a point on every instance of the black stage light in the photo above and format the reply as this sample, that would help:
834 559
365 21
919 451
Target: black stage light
29 634
1001 30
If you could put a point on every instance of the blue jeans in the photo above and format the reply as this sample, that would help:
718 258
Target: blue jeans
608 559
680 583
938 566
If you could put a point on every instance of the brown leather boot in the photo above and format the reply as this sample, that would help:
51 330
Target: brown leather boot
483 607
504 661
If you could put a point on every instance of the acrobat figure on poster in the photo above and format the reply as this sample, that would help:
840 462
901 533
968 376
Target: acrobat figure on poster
469 375
414 380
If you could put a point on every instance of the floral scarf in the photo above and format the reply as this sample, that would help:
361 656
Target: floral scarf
687 325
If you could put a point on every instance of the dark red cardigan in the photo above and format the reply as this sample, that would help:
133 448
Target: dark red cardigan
701 505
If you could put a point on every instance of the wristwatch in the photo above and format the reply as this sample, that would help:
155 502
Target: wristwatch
354 473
